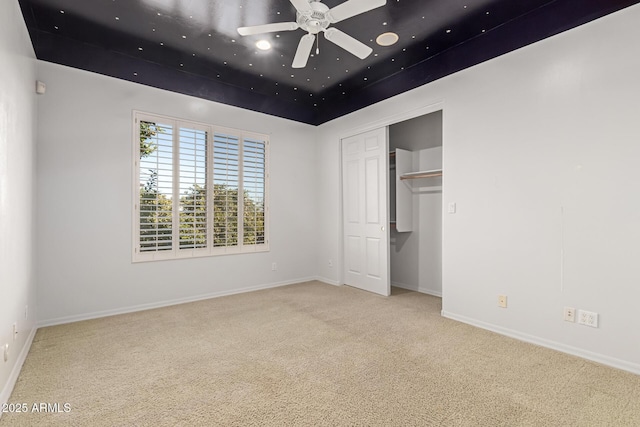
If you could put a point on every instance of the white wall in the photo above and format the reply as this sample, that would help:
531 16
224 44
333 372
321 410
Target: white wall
541 154
17 190
84 182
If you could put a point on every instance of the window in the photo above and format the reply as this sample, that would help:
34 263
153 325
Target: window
200 190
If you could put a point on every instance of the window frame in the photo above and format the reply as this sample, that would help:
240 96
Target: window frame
210 250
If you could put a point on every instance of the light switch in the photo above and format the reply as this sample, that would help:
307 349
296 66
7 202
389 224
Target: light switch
451 208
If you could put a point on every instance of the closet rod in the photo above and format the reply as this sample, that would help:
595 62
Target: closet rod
425 174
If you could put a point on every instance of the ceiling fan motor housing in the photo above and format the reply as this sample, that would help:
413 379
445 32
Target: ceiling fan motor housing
315 21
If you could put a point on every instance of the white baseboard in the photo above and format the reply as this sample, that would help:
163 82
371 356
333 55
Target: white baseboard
327 281
15 372
417 289
166 303
554 345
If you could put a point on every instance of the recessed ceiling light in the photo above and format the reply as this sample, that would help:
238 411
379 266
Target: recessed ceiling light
387 39
263 45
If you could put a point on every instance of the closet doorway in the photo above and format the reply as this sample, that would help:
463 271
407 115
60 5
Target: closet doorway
392 206
415 204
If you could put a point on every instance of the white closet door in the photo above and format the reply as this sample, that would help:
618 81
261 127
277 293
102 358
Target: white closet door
365 213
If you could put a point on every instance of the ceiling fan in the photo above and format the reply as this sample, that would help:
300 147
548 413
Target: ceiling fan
313 17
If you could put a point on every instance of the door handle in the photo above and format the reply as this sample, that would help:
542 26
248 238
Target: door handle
382 228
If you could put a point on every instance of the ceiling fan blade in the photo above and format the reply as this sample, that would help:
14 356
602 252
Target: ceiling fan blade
302 6
352 8
348 43
267 28
303 52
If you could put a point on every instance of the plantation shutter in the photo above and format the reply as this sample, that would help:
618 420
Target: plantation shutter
198 190
226 180
156 187
254 175
193 188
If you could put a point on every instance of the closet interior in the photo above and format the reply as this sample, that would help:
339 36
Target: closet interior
415 203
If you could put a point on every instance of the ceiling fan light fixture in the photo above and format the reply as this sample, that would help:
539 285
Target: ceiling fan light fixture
263 45
313 17
387 39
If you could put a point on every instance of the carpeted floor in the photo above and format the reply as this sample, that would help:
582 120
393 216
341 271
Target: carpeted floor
310 354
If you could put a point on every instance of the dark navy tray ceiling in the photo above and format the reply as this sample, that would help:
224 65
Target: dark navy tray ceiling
192 47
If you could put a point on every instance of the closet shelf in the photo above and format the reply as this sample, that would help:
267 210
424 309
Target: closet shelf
422 174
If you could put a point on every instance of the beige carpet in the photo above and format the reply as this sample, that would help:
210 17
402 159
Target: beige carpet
310 354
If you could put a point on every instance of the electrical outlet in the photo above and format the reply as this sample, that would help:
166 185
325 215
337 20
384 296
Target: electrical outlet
502 301
15 331
330 263
569 314
274 266
6 352
588 318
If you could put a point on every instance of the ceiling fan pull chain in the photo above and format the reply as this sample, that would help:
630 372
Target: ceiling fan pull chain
318 44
